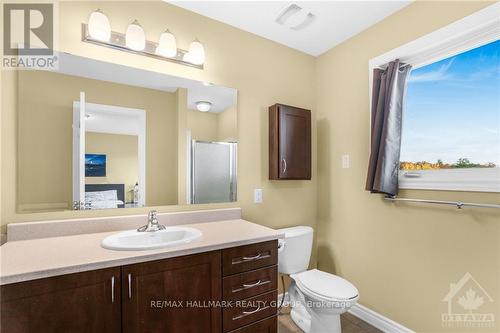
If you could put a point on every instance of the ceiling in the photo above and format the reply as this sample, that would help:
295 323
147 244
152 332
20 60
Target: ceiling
331 23
113 119
221 97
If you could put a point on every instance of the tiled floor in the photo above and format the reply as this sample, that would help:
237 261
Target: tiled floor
349 323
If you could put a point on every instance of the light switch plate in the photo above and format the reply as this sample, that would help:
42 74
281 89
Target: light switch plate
257 195
346 161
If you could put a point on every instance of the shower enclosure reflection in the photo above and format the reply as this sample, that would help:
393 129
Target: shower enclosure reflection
213 172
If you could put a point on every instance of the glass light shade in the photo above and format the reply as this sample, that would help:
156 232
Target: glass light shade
203 106
196 53
167 46
135 37
186 57
99 27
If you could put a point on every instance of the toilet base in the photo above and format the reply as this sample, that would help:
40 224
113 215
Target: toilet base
301 318
325 323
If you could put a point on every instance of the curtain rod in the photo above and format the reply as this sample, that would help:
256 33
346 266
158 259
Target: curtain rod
384 67
458 204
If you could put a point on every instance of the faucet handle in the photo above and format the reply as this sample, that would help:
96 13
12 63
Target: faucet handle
153 224
152 215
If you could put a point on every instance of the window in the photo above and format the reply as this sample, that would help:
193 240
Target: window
451 116
451 123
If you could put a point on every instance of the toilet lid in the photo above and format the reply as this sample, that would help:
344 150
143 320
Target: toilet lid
326 285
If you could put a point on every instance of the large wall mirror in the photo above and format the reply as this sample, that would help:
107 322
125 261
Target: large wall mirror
97 135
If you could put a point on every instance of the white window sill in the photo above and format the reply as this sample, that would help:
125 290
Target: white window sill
473 180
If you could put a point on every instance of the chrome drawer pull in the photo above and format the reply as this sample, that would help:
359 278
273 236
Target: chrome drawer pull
252 312
246 286
129 286
247 313
250 285
253 258
112 289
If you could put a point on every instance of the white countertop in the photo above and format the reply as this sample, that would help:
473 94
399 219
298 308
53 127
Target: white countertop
45 257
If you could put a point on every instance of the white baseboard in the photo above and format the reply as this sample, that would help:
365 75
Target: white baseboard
377 320
371 317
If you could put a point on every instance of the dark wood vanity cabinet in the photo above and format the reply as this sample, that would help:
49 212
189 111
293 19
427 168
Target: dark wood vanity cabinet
250 283
173 295
230 290
289 143
80 302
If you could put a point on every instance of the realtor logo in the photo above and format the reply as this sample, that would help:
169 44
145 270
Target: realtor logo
468 303
28 35
28 29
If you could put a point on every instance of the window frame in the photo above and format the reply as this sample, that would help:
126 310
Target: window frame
478 29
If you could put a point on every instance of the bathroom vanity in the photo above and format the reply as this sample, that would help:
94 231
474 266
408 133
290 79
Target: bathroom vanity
224 282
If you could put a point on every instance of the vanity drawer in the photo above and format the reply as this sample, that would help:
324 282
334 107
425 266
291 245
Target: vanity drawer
248 284
250 310
248 257
268 325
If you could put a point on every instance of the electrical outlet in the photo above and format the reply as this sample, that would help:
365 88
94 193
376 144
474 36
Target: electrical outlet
257 195
346 161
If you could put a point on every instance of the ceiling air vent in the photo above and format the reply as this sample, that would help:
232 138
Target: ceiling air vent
295 17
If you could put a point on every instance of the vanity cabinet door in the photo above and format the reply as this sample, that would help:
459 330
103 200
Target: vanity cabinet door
173 295
289 142
80 302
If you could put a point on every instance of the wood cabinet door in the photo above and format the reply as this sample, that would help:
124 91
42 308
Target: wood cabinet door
80 302
295 143
289 142
173 295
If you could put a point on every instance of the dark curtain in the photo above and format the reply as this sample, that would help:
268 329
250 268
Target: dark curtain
389 87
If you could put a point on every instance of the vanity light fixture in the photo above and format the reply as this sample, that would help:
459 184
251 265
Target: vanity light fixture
99 27
135 38
187 58
98 31
203 106
167 45
196 53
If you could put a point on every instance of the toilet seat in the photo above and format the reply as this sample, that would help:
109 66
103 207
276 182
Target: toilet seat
325 286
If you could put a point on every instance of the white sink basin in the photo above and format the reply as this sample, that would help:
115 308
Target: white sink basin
133 240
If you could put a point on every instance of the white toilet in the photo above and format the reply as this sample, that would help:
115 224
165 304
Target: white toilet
317 298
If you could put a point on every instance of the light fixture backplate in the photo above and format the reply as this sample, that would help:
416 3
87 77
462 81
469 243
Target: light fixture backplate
117 42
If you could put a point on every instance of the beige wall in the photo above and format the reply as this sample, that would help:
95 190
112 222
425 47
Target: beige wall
264 73
203 125
402 258
45 102
122 160
182 145
209 126
44 140
227 125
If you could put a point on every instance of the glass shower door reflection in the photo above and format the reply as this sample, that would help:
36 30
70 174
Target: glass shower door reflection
213 172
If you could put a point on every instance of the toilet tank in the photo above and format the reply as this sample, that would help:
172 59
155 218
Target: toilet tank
295 250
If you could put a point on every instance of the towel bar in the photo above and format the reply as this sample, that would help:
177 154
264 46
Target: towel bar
458 204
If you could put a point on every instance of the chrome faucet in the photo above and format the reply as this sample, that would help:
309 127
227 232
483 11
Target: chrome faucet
153 224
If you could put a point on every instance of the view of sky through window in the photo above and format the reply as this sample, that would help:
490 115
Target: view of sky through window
452 112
